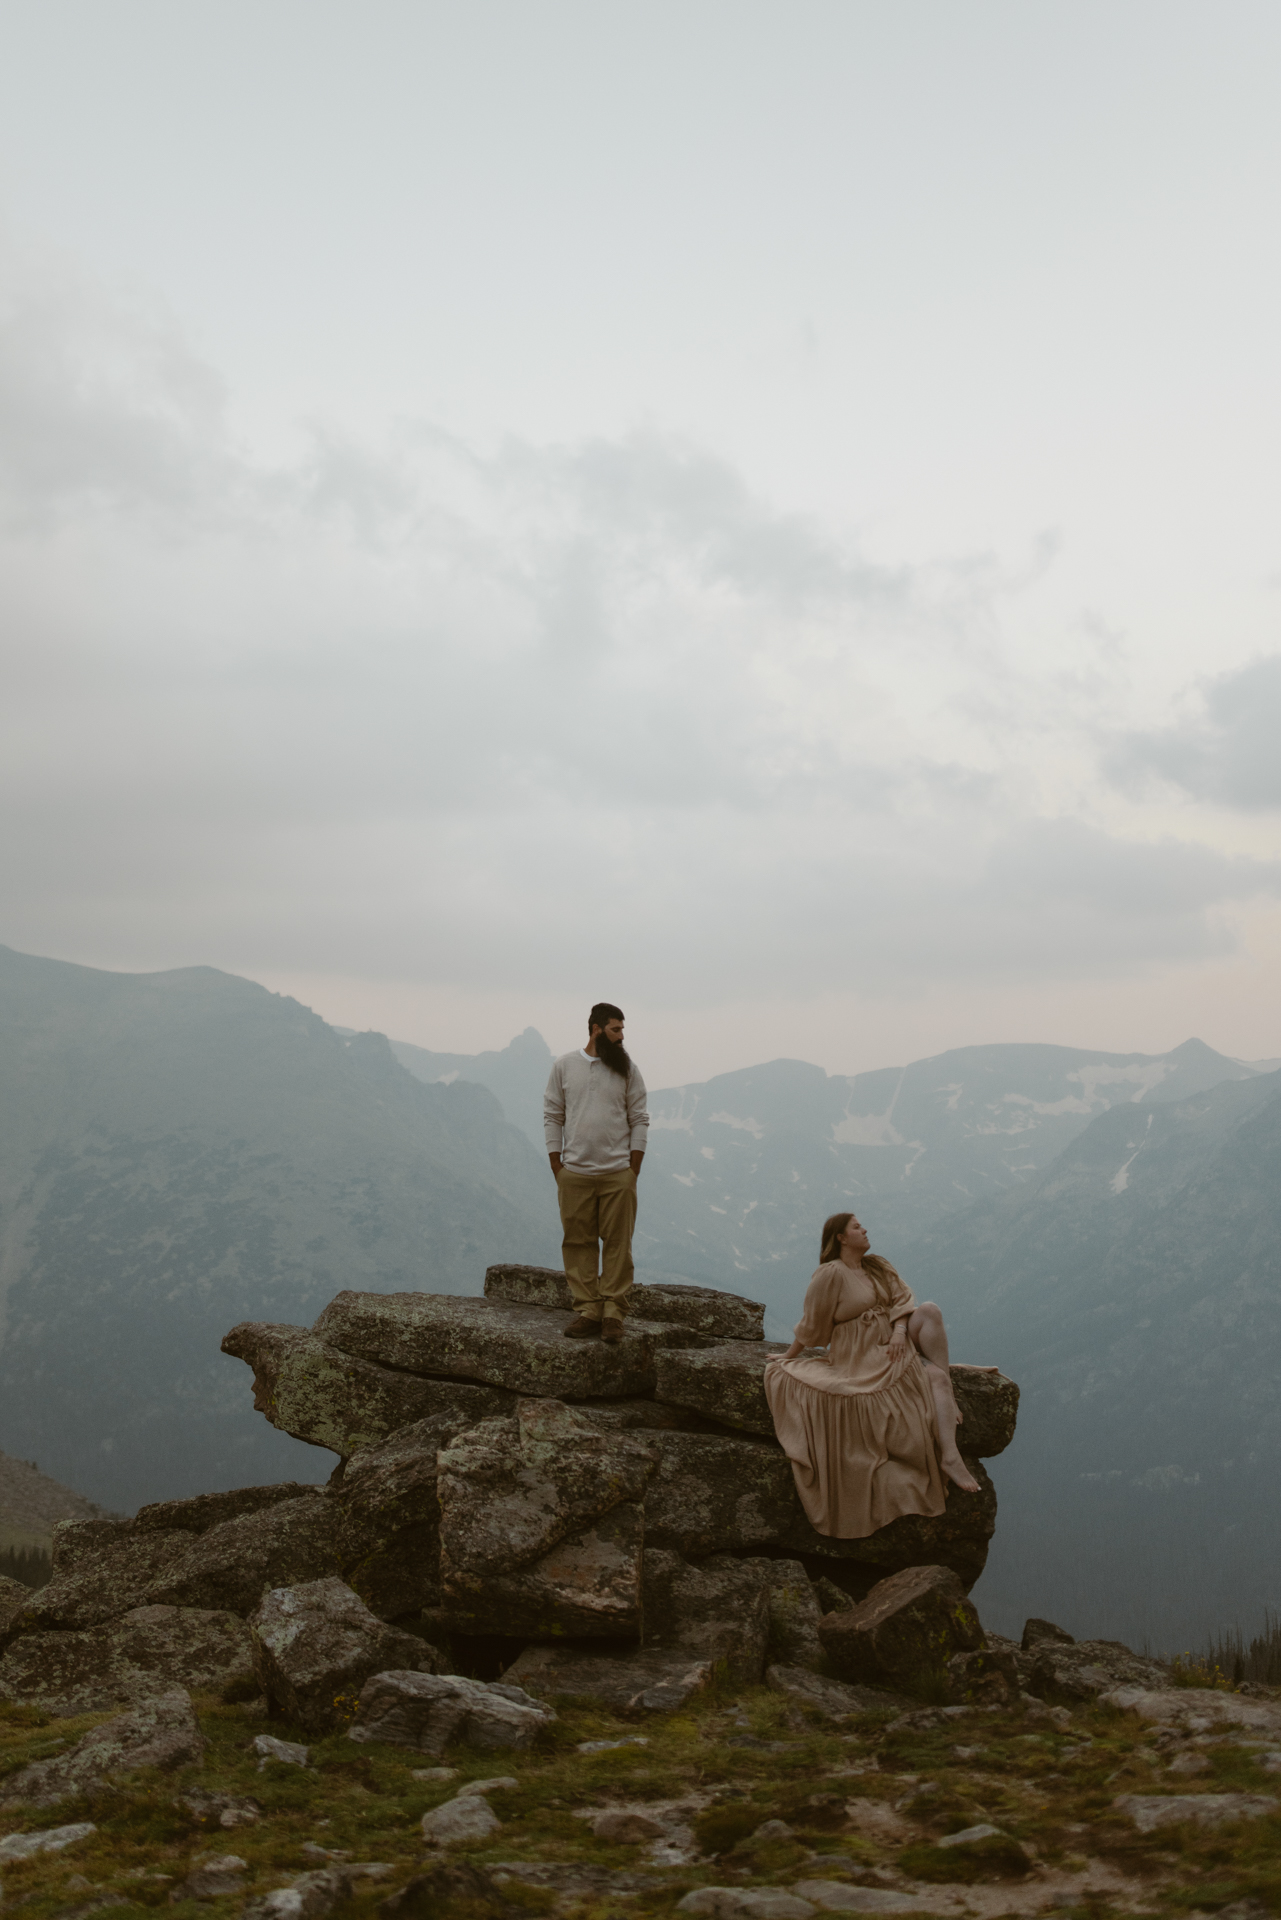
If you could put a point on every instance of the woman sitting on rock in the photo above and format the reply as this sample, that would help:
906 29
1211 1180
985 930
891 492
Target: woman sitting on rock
869 1426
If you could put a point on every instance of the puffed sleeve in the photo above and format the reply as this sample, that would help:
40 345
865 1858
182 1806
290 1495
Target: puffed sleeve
904 1301
818 1315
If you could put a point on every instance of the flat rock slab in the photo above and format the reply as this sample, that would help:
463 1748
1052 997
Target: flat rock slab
707 1310
836 1896
310 1389
1089 1669
148 1651
1197 1709
1150 1810
727 1383
161 1732
834 1699
650 1680
518 1347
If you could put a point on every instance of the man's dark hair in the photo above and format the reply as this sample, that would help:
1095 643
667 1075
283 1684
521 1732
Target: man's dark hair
616 1058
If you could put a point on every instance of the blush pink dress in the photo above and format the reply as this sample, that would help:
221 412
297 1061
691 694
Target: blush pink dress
857 1423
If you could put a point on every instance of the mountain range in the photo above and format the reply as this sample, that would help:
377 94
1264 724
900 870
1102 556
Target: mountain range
183 1150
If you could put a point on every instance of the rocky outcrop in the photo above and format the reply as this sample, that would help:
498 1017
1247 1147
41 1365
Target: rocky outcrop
150 1650
909 1625
315 1645
623 1513
160 1733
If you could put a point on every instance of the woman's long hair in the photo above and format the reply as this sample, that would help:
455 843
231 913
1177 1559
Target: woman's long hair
880 1272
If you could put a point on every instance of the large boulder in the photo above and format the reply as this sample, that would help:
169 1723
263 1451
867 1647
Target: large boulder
909 1625
717 1611
160 1732
431 1711
713 1493
208 1510
727 1383
794 1614
148 1651
721 1316
518 1347
388 1519
315 1645
101 1569
541 1529
306 1387
235 1563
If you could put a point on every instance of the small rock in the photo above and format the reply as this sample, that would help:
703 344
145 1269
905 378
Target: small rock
608 1746
970 1836
619 1827
653 1679
1190 1763
315 1645
487 1786
770 1830
308 1897
909 1624
445 1883
834 1896
746 1903
288 1752
211 1878
429 1711
1149 1811
467 1817
221 1809
437 1773
984 1677
24 1846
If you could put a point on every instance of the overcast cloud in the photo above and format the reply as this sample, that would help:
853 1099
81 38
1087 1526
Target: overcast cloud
400 696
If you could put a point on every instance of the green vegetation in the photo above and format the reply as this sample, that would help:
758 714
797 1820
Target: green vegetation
867 1802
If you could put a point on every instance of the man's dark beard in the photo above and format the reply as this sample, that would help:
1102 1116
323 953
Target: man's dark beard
614 1054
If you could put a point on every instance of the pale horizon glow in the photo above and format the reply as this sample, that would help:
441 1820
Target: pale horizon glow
765 513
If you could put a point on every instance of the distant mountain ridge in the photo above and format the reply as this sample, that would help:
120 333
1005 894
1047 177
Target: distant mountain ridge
180 1151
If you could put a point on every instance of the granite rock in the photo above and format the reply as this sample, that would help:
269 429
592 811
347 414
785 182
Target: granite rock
14 1598
794 1614
146 1651
517 1347
431 1711
234 1564
312 1390
985 1677
541 1531
833 1699
717 1611
315 1646
1151 1810
209 1510
643 1680
1088 1668
101 1570
388 1519
706 1310
909 1625
160 1732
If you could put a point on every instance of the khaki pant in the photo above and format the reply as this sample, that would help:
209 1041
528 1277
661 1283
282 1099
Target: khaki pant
595 1208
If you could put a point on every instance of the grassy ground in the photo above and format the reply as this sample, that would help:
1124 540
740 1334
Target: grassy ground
879 1799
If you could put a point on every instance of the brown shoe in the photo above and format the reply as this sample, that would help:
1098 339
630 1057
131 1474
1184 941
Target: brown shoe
612 1331
581 1328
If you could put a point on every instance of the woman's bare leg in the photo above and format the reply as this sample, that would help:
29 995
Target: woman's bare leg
929 1335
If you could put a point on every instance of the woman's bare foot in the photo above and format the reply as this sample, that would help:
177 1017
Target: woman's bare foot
958 1473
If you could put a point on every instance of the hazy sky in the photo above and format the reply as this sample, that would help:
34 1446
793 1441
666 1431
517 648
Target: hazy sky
768 513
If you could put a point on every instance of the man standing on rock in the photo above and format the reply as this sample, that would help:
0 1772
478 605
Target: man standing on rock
596 1127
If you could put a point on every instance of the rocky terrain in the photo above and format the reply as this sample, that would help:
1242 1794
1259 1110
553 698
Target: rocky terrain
556 1636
